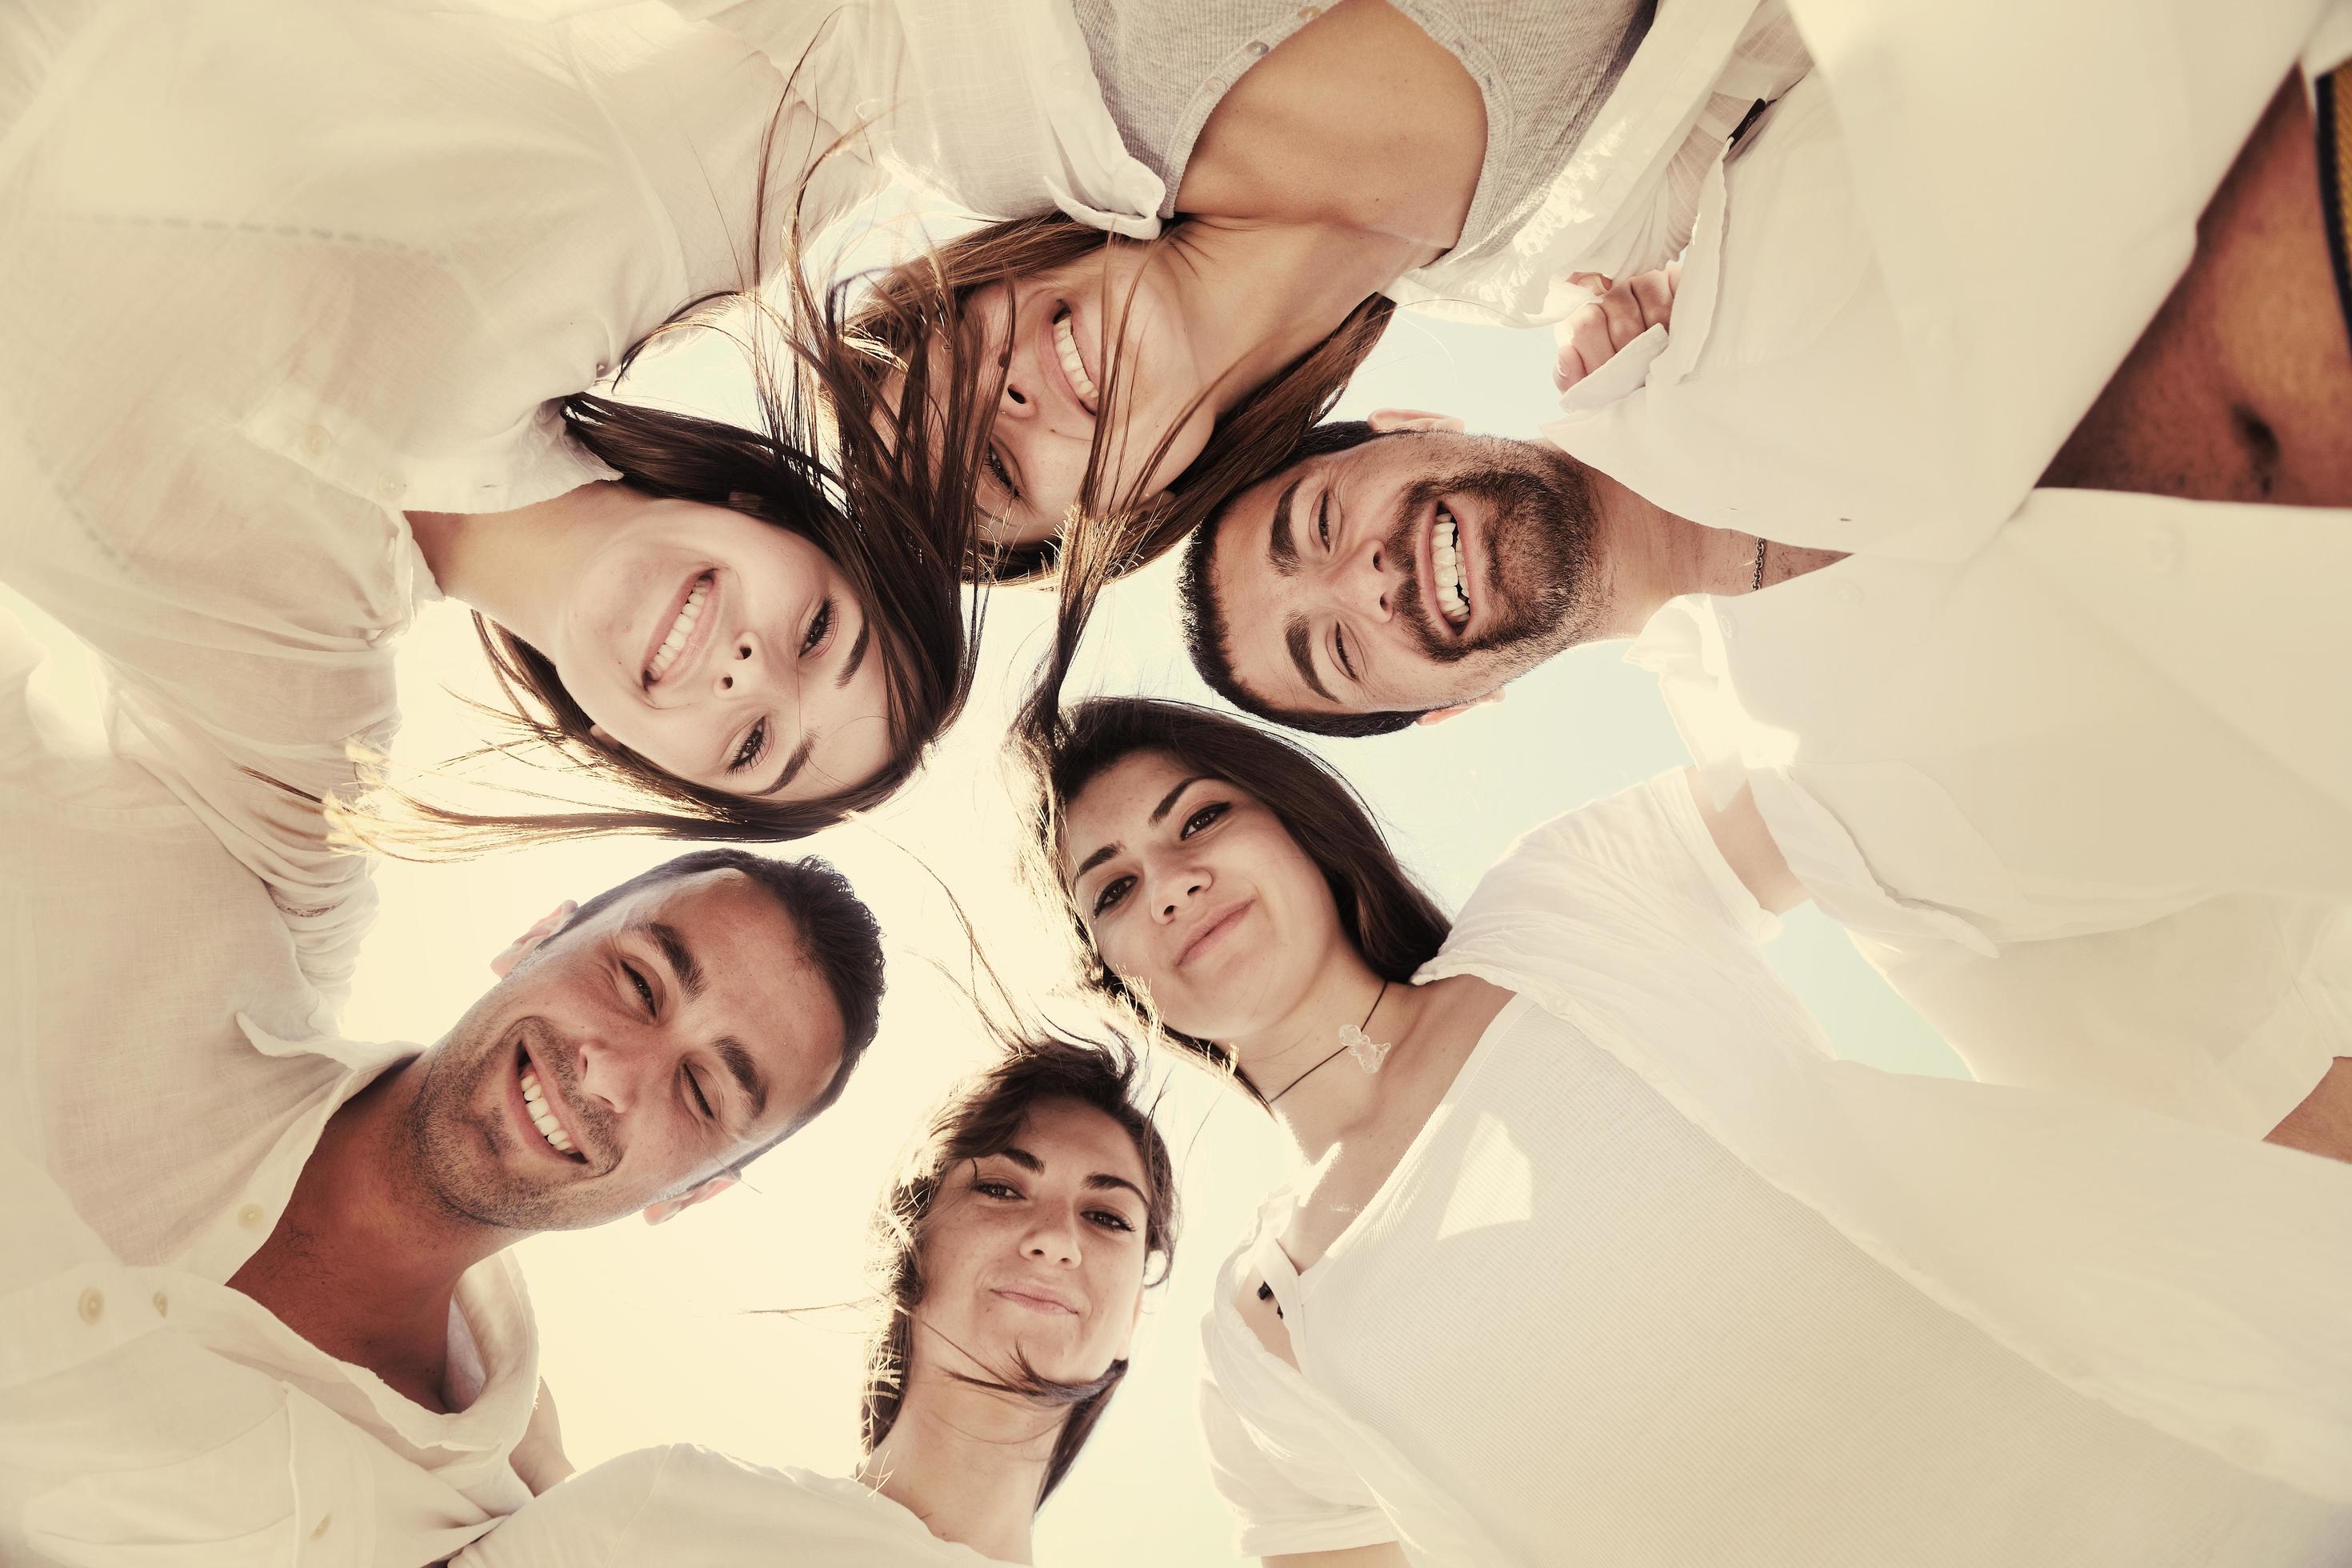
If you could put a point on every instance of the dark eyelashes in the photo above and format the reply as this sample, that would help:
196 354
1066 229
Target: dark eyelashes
1111 893
702 1101
818 627
1003 475
1201 818
1107 1219
755 745
644 992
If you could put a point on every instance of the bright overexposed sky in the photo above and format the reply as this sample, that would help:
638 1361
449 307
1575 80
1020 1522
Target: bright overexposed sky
654 1335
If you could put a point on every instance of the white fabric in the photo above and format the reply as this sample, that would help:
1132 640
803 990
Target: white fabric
1662 1283
275 269
1922 265
687 1507
163 1077
996 109
2107 717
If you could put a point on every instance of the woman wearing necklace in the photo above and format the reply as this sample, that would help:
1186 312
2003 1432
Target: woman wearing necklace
1592 1252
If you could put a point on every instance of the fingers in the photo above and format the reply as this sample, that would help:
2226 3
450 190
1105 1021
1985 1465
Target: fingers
1589 335
1584 345
1653 295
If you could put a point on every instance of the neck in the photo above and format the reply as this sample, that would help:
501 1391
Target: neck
1255 297
508 565
364 1263
1318 1107
967 1462
1653 555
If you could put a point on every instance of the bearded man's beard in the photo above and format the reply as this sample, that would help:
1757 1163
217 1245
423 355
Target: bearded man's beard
1539 582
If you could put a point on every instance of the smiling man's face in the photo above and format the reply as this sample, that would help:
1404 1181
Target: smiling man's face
1420 570
628 1060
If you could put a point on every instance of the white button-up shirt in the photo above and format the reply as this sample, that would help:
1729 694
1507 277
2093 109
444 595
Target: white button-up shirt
1924 263
163 1077
997 109
1661 1282
275 272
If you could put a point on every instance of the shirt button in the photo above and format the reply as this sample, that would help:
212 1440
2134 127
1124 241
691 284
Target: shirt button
388 491
2162 550
1308 12
314 440
320 1529
162 1305
249 1217
93 1306
1215 84
1257 51
374 635
602 367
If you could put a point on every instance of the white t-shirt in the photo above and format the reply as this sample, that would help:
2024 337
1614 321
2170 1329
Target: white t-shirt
1660 1283
688 1507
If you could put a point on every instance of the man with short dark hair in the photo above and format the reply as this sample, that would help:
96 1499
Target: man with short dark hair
254 1286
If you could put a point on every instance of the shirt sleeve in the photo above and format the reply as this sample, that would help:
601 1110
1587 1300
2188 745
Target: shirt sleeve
582 1522
1284 1502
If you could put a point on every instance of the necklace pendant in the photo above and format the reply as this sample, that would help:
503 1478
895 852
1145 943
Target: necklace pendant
1369 1052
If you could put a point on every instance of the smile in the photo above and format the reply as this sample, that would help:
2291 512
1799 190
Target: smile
1449 572
1081 385
539 1109
1044 1304
686 631
1211 929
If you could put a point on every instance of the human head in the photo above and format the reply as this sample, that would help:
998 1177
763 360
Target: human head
1291 837
1038 1174
973 331
669 1030
1320 596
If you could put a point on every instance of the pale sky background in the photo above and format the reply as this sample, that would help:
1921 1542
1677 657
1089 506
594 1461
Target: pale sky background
654 1335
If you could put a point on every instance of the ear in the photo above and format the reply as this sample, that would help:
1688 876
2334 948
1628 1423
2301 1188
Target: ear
1387 419
670 1208
550 923
1440 715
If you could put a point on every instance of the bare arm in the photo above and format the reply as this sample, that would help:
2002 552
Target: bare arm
2322 1124
1747 846
1387 1554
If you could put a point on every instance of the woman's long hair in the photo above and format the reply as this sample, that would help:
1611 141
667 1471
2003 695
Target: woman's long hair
1386 915
980 1117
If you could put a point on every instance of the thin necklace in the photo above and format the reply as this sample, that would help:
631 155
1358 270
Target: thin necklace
1758 583
1343 1050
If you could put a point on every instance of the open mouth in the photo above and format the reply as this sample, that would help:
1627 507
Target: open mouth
1449 570
539 1107
1074 365
680 632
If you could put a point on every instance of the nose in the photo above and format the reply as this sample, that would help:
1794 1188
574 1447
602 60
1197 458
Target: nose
1019 399
614 1069
1363 583
1051 1238
1175 889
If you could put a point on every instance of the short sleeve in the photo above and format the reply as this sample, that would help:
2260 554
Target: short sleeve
1284 1502
582 1522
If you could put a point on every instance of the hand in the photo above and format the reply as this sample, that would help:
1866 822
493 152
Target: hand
1589 334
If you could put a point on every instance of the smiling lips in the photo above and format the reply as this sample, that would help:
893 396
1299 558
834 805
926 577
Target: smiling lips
1062 339
1445 571
539 1106
1210 930
1037 1299
685 632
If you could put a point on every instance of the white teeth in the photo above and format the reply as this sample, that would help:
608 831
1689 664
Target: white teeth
1452 582
679 630
535 1100
1065 340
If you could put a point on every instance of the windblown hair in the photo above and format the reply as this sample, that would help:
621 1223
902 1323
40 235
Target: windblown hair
1206 638
819 467
1387 916
980 1117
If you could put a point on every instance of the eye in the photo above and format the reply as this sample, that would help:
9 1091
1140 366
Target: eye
1204 818
1340 652
988 1187
1110 894
1110 1220
820 629
754 747
644 992
1003 475
1323 520
702 1101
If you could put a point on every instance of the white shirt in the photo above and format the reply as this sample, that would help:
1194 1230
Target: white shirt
277 269
1661 1282
687 1507
1923 264
165 1075
996 110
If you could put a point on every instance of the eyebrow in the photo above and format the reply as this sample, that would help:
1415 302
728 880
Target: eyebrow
856 653
793 764
680 960
1281 551
1101 1181
1159 815
1296 637
745 1071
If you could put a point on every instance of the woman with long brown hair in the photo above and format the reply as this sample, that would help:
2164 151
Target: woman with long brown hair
1592 1252
1011 1256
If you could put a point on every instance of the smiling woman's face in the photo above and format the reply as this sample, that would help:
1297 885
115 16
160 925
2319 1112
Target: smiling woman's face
1196 892
1037 1253
727 651
1055 331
